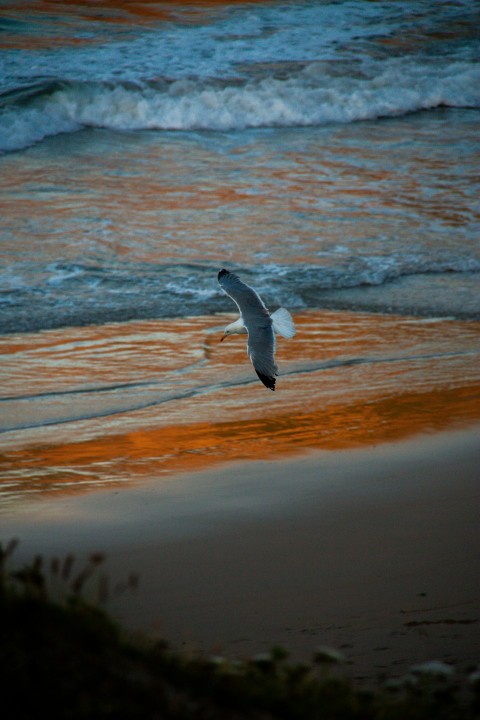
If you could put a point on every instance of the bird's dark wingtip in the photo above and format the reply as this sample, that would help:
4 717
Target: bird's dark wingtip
268 381
222 273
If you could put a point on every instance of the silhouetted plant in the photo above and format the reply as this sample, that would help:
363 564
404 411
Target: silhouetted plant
66 658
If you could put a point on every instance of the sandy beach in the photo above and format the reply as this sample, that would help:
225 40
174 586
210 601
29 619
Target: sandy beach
372 551
341 510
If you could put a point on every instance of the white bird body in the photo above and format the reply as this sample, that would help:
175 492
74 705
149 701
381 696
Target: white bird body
256 321
235 328
282 324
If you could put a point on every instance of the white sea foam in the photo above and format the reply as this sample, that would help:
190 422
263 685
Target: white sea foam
56 294
314 95
281 65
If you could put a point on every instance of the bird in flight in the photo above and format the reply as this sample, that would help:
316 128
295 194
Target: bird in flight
260 325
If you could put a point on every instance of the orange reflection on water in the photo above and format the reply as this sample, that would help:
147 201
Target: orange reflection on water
107 12
346 380
111 460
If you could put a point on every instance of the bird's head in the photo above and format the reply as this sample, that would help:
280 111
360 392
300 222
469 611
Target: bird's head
235 328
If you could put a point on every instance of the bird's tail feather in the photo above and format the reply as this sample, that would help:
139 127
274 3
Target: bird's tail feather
283 323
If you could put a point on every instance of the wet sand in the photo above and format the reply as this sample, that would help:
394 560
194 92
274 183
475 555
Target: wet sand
372 551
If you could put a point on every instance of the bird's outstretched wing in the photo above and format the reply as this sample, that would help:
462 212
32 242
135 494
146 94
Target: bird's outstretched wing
257 320
248 301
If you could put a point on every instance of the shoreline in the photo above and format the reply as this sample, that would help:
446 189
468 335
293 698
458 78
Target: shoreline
115 405
371 551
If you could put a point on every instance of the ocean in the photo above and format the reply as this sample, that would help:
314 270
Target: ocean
327 152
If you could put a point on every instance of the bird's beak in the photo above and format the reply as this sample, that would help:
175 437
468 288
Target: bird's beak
223 338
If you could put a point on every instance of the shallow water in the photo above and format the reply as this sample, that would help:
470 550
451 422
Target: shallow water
144 151
97 406
149 149
101 226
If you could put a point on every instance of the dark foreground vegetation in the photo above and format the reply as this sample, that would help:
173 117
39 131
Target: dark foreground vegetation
63 657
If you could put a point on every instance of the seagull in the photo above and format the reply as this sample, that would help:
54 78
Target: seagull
258 323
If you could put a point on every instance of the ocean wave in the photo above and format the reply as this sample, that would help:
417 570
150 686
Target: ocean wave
305 286
83 294
305 94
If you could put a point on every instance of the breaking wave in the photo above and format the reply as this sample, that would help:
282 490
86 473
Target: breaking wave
292 94
80 294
